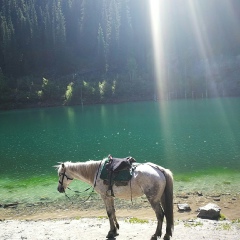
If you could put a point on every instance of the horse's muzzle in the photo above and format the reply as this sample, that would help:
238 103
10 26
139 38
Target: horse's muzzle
61 189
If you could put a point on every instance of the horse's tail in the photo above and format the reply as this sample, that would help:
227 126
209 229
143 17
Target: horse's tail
167 201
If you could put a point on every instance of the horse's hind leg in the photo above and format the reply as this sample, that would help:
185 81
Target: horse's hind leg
168 224
160 215
109 203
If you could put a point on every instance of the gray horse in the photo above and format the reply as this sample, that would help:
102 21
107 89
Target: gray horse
150 179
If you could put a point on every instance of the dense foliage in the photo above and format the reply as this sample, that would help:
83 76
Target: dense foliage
88 51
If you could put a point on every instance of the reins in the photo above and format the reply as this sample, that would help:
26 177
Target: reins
78 192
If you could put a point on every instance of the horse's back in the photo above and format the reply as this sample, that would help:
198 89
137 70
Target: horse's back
150 177
150 170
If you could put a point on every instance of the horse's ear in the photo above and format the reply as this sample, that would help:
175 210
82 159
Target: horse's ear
63 166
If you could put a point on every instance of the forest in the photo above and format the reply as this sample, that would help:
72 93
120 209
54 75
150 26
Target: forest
69 52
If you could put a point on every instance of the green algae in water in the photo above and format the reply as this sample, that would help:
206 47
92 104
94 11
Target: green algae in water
189 176
36 189
208 181
28 182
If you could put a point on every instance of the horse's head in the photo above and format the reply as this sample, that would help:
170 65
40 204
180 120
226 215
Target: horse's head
65 177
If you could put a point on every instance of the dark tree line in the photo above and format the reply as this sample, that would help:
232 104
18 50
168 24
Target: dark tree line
88 51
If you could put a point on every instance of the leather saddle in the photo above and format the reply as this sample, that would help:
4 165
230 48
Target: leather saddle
114 166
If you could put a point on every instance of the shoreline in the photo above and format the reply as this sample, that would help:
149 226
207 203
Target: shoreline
139 208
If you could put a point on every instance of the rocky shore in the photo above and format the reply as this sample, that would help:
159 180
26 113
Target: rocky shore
75 219
78 207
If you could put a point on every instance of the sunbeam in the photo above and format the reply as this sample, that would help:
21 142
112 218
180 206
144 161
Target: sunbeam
203 45
157 21
206 51
158 25
197 22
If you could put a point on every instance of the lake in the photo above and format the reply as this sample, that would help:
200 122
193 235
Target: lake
199 140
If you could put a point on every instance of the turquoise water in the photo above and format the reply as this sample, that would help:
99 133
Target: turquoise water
196 139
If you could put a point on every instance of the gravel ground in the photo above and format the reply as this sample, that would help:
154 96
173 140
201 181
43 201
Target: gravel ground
97 228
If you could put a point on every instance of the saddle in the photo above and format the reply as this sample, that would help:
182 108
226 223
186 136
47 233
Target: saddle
117 169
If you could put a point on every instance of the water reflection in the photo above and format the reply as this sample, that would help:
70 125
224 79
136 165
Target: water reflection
70 111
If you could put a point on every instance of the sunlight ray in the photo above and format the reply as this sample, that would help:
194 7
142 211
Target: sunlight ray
160 14
158 22
203 45
207 54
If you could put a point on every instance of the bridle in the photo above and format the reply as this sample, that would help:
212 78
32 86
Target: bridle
63 175
61 182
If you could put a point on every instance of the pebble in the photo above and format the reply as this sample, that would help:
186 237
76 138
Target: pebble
183 207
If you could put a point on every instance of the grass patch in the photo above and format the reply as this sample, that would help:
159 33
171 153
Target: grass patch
222 217
225 226
193 224
236 220
136 220
102 217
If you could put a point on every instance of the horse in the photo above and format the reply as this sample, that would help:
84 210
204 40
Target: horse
148 178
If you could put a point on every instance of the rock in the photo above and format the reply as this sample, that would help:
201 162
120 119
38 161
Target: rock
183 207
199 193
210 211
10 205
29 205
44 198
182 196
215 195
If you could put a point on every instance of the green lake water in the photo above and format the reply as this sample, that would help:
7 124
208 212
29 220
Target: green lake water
199 140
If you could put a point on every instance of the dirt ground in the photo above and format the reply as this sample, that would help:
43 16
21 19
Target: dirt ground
66 220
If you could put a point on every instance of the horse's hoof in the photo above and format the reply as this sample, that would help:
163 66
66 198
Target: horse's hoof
166 237
154 237
112 234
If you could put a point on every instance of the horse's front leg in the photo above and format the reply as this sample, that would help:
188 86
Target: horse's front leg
109 203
